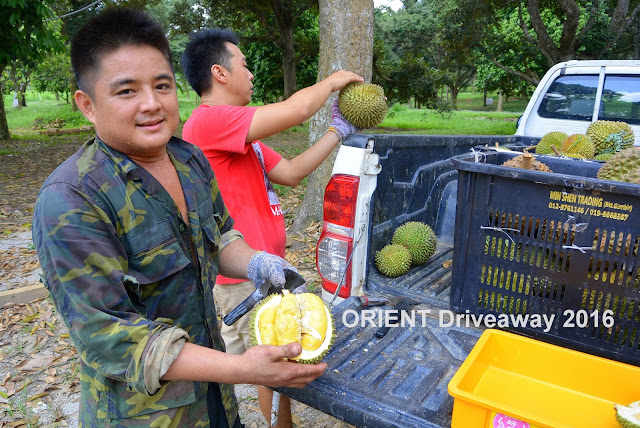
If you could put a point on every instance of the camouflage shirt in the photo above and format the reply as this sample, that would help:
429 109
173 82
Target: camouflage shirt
133 281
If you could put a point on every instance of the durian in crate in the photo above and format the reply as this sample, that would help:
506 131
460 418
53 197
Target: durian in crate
553 138
623 166
363 104
285 318
610 136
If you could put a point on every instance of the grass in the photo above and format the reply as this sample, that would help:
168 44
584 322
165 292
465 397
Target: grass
472 117
413 121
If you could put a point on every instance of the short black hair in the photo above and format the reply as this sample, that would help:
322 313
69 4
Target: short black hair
108 31
204 50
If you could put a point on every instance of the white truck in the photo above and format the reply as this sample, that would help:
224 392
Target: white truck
382 181
573 94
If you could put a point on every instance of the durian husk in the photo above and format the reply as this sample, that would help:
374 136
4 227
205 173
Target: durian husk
363 104
555 138
624 166
610 136
393 260
418 238
578 146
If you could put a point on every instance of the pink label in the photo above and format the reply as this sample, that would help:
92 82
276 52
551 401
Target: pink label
504 421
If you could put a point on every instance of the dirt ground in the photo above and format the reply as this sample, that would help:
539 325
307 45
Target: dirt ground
38 363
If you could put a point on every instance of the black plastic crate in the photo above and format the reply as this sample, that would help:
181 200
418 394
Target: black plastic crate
562 244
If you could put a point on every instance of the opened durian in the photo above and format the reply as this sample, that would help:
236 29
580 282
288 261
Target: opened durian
628 416
419 239
393 260
284 318
363 104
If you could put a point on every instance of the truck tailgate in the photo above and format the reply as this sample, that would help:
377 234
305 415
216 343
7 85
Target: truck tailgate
400 380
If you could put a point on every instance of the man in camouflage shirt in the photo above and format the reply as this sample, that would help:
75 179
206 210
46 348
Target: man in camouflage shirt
131 232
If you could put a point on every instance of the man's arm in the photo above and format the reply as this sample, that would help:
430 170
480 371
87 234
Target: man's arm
271 119
260 365
292 172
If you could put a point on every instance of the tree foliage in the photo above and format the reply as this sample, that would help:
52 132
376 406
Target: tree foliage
27 36
278 22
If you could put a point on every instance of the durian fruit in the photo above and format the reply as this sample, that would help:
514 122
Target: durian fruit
604 156
393 260
553 138
285 318
623 166
419 239
527 161
363 104
610 137
628 416
578 146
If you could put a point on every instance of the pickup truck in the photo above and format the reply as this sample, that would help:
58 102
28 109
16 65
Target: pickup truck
382 181
401 379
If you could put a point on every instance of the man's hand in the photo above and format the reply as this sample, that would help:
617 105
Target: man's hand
342 78
341 126
267 267
268 365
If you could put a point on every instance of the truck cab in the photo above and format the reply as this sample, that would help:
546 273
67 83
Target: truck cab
573 94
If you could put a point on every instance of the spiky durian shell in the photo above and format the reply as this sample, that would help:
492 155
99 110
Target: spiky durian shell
393 260
363 104
307 356
555 138
623 166
419 239
578 146
626 415
610 136
604 156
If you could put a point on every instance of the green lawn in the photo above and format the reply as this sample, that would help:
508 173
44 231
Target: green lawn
44 111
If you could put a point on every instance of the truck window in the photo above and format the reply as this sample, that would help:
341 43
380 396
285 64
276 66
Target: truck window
621 99
570 97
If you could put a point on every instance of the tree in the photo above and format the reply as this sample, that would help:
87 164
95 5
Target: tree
274 21
54 76
346 42
405 54
25 36
556 31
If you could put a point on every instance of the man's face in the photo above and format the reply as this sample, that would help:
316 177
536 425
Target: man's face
240 78
134 106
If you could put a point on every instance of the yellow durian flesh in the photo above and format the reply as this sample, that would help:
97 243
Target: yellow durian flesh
303 318
313 321
267 321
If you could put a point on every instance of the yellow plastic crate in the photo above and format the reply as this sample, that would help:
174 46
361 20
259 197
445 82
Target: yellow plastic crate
512 381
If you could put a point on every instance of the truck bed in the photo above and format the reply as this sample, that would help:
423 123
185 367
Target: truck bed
401 380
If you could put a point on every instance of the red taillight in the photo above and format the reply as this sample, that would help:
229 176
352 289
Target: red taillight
340 200
335 245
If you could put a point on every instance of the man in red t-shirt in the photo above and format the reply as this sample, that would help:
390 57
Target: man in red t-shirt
229 133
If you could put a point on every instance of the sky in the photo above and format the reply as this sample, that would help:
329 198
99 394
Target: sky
393 4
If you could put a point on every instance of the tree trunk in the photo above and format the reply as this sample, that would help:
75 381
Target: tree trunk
499 108
288 62
285 19
4 126
346 42
454 96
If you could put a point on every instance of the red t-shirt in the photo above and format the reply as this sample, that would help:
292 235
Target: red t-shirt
241 171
